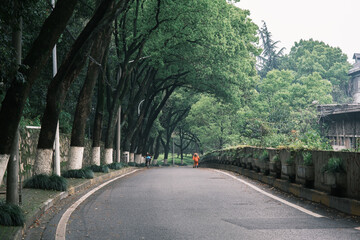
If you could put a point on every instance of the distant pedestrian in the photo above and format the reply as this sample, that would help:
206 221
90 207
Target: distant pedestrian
196 159
148 159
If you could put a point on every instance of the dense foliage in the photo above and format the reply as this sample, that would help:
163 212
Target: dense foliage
282 110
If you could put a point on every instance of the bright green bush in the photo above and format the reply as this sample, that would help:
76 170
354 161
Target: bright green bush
46 182
11 215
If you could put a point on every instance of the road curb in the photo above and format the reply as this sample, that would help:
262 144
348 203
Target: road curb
346 205
61 195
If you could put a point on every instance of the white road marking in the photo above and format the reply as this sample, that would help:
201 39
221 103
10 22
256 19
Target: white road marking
274 197
61 228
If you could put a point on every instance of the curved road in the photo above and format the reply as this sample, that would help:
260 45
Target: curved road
187 203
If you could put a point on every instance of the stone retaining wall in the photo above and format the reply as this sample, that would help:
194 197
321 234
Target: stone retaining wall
247 158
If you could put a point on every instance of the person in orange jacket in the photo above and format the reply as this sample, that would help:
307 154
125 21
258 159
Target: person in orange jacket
196 159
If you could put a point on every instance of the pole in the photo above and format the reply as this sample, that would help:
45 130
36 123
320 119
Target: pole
118 136
173 152
57 134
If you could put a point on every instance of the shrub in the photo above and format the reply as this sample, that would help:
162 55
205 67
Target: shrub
102 168
132 164
166 165
334 165
11 215
46 182
79 173
276 158
140 165
307 157
264 156
290 160
117 165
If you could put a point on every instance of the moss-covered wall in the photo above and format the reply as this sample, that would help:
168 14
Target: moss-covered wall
28 144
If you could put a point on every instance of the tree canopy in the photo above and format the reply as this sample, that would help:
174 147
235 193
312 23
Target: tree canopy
164 58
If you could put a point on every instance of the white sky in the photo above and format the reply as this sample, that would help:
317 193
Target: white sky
335 22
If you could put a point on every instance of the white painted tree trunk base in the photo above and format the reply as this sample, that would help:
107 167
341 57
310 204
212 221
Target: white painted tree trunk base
95 156
165 161
155 161
132 157
43 161
4 159
126 156
108 155
75 158
138 158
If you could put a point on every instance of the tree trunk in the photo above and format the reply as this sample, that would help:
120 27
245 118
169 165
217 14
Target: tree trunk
100 108
137 99
12 183
110 132
84 102
154 114
150 147
157 147
33 63
67 73
166 146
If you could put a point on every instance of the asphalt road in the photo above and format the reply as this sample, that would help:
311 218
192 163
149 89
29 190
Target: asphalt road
187 203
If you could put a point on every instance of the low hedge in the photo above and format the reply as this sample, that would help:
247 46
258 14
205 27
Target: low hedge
79 173
46 182
11 215
116 165
102 168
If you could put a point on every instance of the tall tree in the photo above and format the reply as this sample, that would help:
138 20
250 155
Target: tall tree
209 115
135 27
12 187
175 110
99 47
270 57
309 56
68 71
17 94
